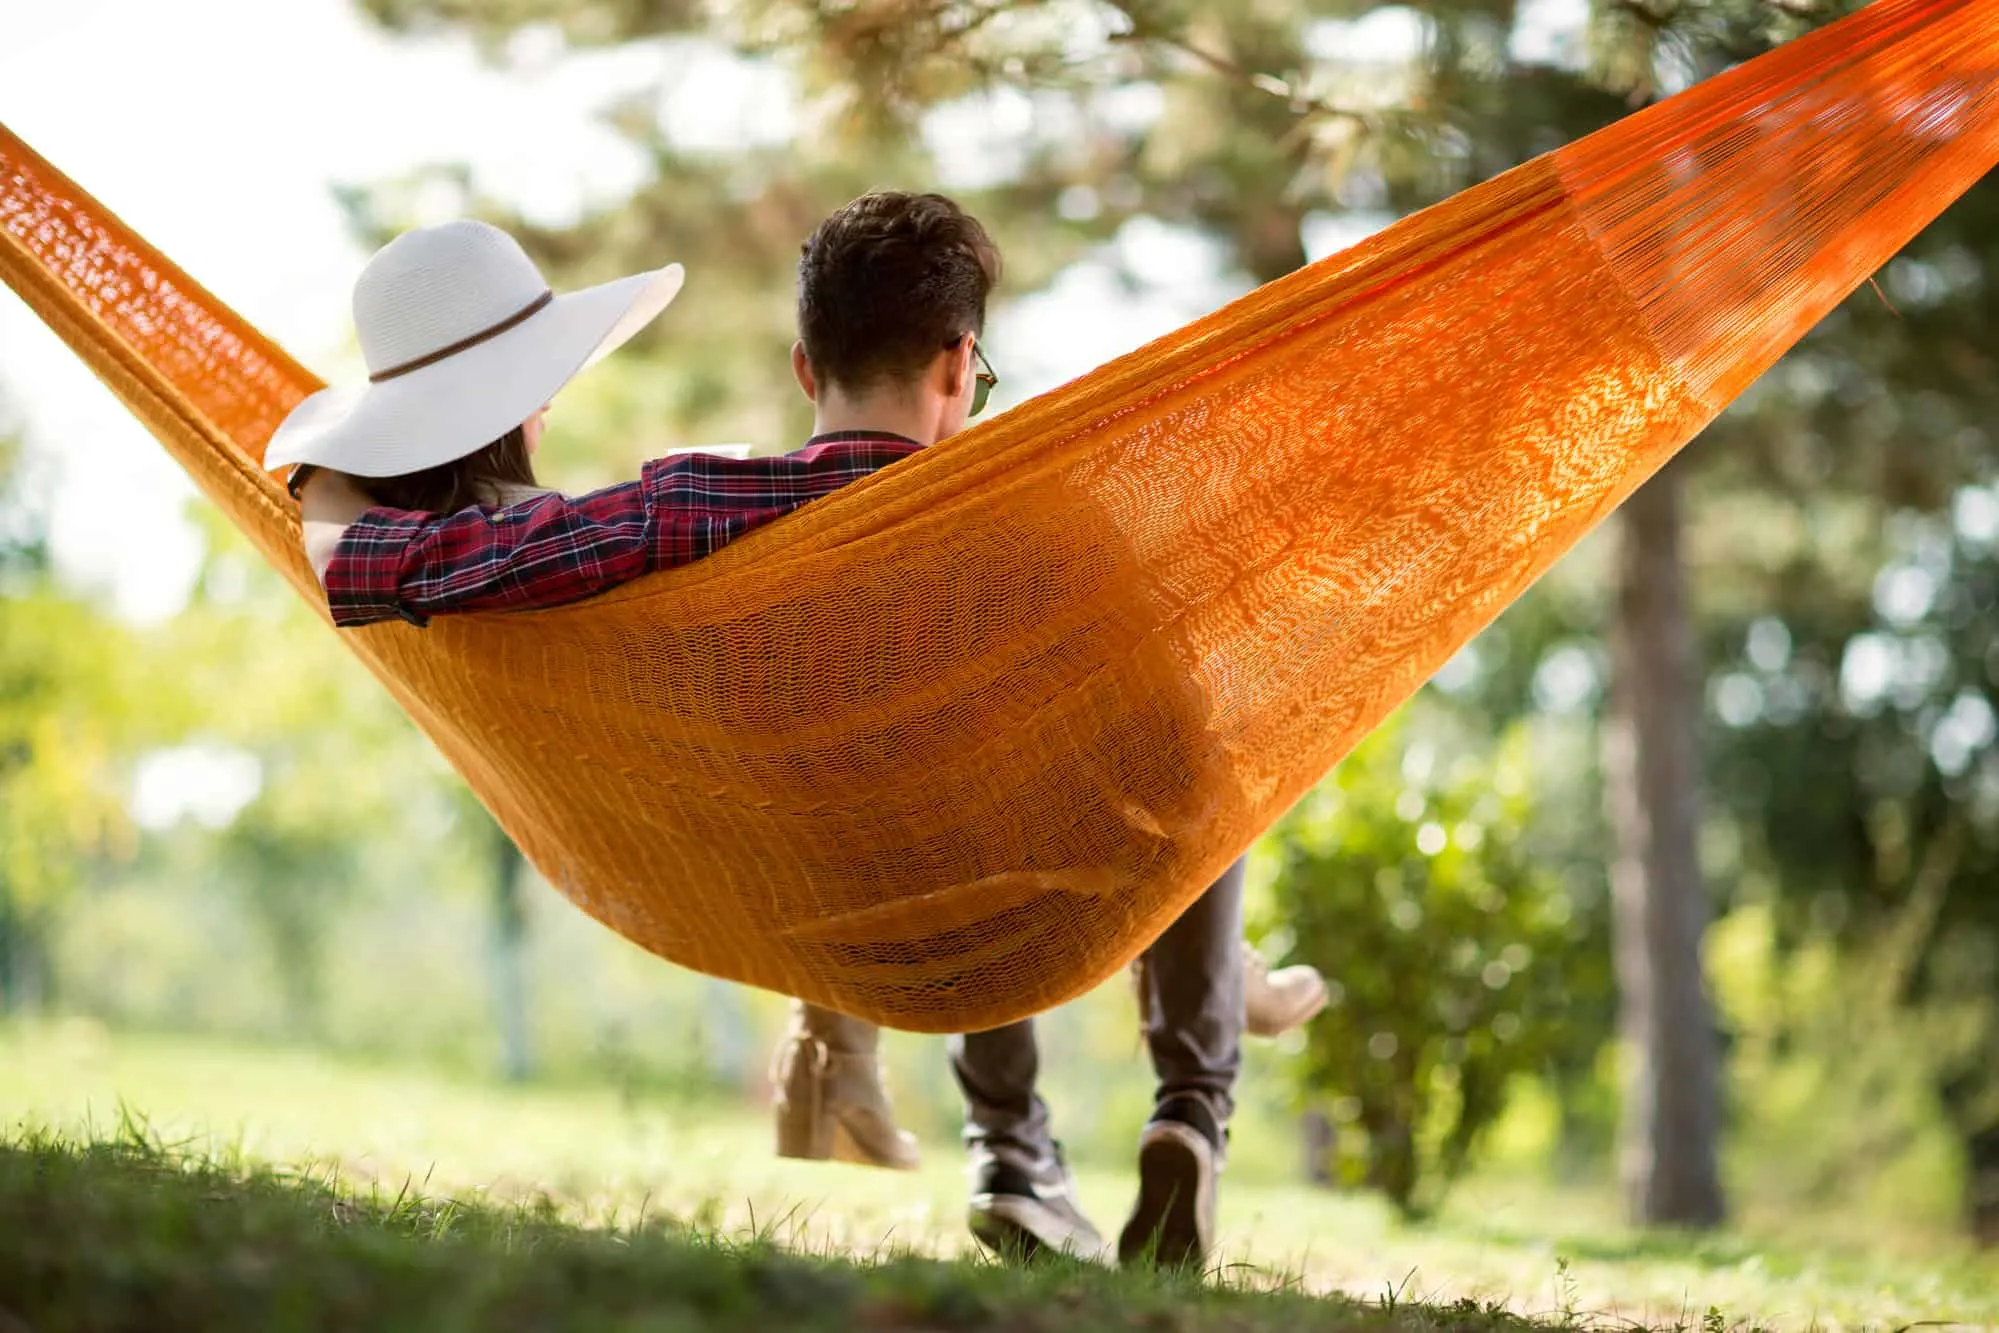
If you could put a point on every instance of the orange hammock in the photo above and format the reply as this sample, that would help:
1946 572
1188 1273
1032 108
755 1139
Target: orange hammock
954 744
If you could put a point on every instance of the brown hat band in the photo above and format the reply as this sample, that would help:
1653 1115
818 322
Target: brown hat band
463 344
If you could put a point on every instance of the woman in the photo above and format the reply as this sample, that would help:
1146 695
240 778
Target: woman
466 345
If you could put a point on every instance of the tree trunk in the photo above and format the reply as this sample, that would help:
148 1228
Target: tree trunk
1671 1110
1981 1185
1963 1094
1270 242
1320 1141
509 942
10 1001
24 961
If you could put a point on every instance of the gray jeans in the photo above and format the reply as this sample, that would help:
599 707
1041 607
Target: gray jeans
1192 999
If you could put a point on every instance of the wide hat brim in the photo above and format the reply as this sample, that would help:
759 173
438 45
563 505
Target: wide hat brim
459 405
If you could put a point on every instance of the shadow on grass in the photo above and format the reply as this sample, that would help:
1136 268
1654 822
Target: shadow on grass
132 1233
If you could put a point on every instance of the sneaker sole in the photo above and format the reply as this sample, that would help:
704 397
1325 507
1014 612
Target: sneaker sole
1175 1191
1020 1232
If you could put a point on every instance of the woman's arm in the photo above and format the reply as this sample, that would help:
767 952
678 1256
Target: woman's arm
328 503
544 552
555 549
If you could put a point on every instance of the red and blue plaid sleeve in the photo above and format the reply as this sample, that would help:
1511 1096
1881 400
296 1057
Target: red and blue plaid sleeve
702 502
553 549
540 552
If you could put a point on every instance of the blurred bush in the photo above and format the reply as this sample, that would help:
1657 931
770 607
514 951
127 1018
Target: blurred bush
1833 1110
1452 950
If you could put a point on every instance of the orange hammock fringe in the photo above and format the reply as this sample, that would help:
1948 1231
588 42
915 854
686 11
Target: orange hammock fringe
955 744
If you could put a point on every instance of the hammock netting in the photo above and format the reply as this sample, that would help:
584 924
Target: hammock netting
956 743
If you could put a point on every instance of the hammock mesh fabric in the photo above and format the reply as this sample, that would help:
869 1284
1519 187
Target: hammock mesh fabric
954 744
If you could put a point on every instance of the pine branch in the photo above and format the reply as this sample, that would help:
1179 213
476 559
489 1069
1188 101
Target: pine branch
1302 104
1656 17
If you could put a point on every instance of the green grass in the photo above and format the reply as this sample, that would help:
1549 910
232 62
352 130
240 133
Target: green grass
162 1184
123 1236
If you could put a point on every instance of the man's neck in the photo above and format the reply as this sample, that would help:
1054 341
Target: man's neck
881 414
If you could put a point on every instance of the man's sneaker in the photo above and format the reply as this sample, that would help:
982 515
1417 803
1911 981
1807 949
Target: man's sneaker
1276 1002
1021 1215
1179 1155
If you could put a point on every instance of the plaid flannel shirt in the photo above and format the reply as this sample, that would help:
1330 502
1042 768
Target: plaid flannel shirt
553 549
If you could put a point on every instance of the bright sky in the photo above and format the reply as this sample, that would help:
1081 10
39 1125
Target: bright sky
219 127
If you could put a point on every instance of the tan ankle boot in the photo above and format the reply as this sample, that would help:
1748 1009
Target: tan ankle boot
828 1098
1276 1002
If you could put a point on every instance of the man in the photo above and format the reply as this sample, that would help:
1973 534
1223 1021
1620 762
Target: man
891 300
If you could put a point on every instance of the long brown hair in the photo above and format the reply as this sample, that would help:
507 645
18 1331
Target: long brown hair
479 478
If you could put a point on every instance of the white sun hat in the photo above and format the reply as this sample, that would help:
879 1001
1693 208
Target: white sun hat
464 341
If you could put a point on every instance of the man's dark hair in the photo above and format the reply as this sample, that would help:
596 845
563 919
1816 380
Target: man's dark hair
887 283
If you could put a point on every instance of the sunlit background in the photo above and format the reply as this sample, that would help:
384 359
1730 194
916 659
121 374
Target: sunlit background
224 835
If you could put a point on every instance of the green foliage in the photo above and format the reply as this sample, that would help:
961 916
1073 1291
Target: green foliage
1833 1083
64 716
1408 878
59 798
1856 755
334 808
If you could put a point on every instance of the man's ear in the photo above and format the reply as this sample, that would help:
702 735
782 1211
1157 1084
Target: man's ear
957 367
801 370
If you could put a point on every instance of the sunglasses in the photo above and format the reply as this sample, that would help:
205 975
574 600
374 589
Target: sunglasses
983 380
